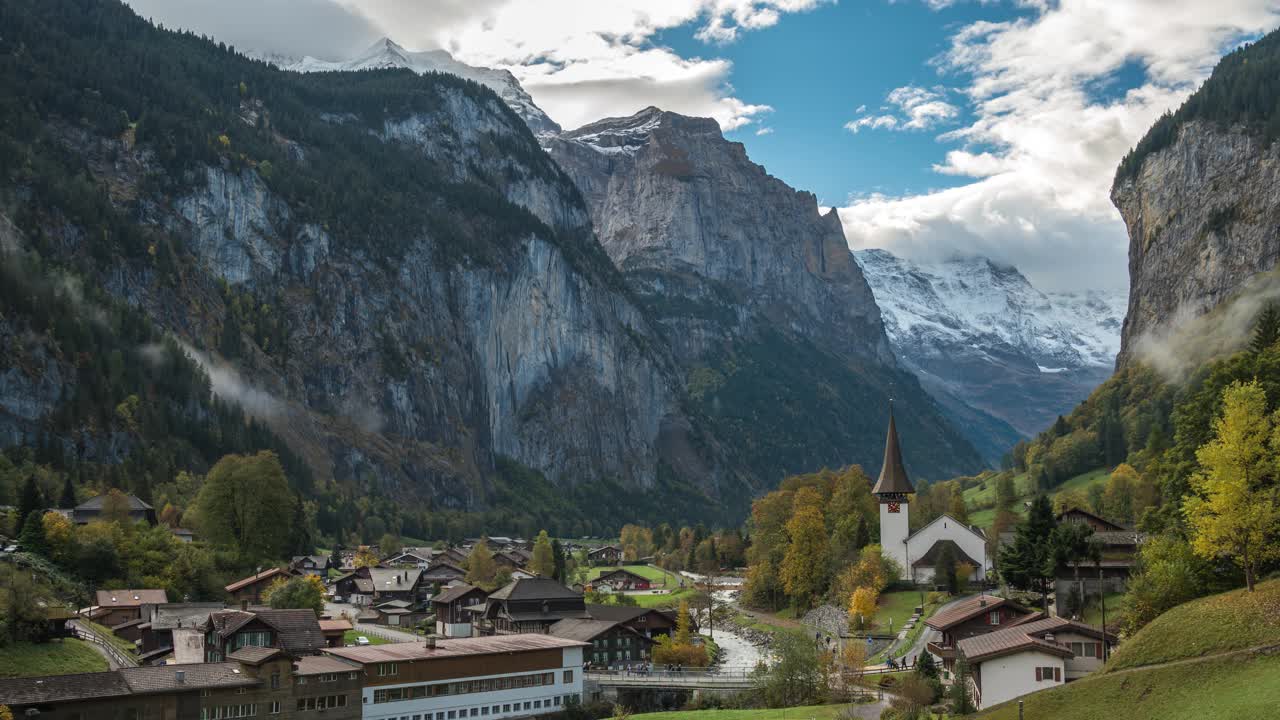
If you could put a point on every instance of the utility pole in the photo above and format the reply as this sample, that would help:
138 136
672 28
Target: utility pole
1102 600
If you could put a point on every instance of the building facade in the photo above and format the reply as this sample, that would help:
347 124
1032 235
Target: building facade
490 677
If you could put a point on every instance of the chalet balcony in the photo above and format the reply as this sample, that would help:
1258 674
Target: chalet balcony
944 652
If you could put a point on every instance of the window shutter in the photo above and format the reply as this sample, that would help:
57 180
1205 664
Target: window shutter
1038 678
1099 650
1057 674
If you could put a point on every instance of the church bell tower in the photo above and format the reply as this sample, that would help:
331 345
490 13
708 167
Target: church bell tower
893 489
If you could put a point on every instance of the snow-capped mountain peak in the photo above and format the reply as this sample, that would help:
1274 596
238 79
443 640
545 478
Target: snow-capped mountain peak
978 301
387 54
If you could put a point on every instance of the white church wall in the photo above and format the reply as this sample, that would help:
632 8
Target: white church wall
947 528
894 530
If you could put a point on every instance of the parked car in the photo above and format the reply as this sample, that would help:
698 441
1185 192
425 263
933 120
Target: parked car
362 640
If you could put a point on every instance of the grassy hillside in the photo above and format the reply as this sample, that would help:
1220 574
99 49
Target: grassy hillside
1219 623
984 496
26 659
809 712
1175 667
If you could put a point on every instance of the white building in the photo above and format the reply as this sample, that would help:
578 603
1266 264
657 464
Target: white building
1031 656
501 676
918 552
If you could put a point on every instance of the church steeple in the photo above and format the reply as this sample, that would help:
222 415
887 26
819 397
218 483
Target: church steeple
893 476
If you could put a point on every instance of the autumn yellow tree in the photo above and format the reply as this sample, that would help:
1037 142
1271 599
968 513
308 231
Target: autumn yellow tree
959 510
805 562
862 608
482 571
365 557
1118 496
544 558
853 660
1234 512
57 536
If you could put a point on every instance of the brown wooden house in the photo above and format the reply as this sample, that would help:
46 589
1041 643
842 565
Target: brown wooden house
969 618
250 590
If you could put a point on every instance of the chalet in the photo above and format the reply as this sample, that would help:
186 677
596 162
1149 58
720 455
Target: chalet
294 632
451 556
649 622
91 510
530 606
606 555
113 607
334 631
249 590
183 534
353 588
621 579
396 584
410 557
1035 653
1076 583
311 564
443 573
969 618
509 560
611 642
454 608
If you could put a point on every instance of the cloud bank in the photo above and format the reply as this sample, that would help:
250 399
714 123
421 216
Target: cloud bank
1047 131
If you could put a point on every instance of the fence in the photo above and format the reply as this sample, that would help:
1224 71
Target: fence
89 634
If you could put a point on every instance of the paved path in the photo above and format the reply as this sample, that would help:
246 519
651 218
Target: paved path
924 638
115 659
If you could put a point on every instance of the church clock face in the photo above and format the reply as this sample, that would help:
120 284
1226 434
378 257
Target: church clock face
895 507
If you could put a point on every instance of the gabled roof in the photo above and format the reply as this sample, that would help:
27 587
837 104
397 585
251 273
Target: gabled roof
438 570
322 665
930 558
620 571
95 503
533 589
184 615
253 655
893 474
127 598
119 683
456 592
394 579
334 626
264 575
1028 636
968 609
1111 526
297 631
623 613
974 529
582 629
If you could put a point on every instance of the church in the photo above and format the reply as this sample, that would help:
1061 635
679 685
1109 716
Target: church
918 552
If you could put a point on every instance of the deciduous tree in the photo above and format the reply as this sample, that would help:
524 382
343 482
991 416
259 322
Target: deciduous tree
862 608
482 571
544 556
296 593
806 559
244 506
1234 513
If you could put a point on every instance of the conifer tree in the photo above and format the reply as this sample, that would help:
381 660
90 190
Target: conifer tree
1026 564
1266 330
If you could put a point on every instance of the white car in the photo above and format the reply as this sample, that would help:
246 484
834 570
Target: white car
362 640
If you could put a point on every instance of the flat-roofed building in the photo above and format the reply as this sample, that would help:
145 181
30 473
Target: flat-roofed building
502 676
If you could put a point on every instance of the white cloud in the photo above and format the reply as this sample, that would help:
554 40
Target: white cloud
1043 145
918 109
582 61
764 131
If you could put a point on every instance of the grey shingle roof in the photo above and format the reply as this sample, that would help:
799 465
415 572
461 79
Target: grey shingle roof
253 655
117 683
128 597
96 503
448 595
533 589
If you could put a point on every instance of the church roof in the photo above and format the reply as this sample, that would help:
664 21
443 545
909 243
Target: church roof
930 558
893 476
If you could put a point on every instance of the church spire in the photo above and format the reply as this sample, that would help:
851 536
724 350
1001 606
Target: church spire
893 476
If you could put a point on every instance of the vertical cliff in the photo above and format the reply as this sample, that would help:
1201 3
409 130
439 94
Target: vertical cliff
780 338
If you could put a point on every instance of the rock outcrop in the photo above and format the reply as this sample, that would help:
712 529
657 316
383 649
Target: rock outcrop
1201 218
760 298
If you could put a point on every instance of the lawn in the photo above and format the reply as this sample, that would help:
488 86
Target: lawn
1218 623
816 712
103 631
1092 614
1212 689
761 623
349 638
656 575
977 497
895 606
53 658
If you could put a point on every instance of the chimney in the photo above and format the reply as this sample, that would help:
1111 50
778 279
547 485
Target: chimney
180 676
430 642
982 602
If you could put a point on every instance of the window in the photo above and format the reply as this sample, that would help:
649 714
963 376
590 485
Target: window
527 705
506 707
496 709
275 681
388 669
452 714
537 704
352 675
1077 649
1049 673
993 617
557 700
302 681
484 710
275 707
475 712
241 691
568 676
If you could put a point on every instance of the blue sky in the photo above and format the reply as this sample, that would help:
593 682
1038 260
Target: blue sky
990 127
815 69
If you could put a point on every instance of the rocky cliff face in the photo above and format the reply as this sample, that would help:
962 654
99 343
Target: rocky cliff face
412 378
1201 218
764 306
